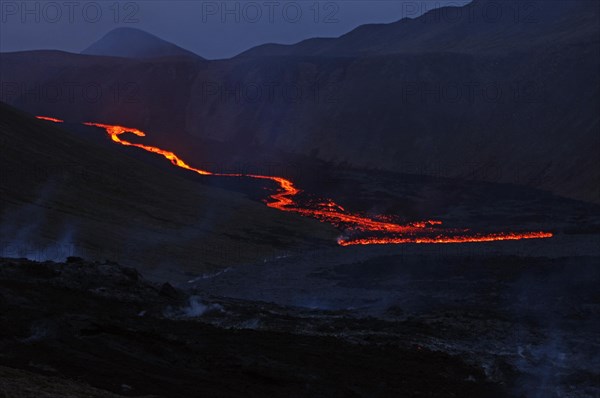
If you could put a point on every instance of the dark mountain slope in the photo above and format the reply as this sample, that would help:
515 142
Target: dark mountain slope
135 43
518 115
483 26
63 195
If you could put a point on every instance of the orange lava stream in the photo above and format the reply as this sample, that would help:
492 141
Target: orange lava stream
385 232
503 236
50 119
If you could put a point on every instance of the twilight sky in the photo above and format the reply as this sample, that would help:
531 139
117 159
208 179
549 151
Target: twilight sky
212 29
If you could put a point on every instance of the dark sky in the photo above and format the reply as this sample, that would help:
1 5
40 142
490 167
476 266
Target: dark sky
213 29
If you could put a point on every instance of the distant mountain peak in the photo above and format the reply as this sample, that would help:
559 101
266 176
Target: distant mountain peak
135 43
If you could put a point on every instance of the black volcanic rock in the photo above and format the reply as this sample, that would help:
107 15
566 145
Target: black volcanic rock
135 43
167 290
87 327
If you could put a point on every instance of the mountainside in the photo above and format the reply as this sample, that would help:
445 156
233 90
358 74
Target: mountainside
483 26
135 43
525 113
75 196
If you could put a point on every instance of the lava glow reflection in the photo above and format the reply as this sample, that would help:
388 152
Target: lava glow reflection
358 229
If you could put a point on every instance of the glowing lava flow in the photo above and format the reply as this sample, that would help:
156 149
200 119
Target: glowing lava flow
359 230
447 239
50 119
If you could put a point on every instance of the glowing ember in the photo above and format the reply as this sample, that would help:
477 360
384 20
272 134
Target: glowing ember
362 230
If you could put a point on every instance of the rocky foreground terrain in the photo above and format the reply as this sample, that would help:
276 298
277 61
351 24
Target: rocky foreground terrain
99 329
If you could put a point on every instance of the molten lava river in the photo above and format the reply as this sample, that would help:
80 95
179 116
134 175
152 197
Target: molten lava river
358 229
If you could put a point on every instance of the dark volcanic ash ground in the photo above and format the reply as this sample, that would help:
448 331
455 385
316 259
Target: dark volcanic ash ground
499 326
